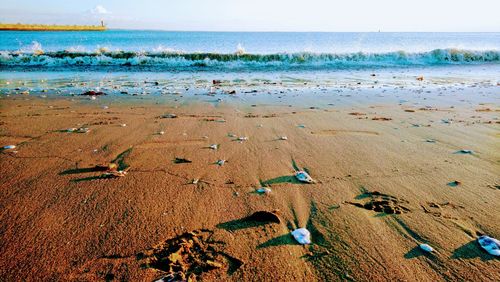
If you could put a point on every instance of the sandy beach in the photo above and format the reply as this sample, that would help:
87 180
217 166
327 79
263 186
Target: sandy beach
390 175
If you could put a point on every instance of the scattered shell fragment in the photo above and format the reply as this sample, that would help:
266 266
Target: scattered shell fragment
382 118
243 138
470 152
195 181
303 176
124 125
161 132
214 264
9 147
82 130
214 146
489 244
220 162
117 173
169 116
426 248
283 138
302 235
264 190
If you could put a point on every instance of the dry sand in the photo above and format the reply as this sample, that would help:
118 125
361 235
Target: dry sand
60 221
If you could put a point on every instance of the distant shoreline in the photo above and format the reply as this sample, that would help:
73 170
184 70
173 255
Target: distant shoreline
40 27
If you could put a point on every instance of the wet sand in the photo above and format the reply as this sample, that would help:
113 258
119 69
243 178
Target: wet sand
61 220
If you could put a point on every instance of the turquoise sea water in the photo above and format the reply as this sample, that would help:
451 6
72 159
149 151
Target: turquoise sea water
229 51
121 61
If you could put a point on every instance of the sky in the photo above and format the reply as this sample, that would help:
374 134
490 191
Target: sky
262 15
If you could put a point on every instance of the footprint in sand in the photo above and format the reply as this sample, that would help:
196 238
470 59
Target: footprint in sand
444 210
382 203
189 255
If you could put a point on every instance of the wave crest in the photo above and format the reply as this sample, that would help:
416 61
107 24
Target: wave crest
171 59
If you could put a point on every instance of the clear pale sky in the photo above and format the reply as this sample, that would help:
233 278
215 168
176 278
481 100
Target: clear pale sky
263 15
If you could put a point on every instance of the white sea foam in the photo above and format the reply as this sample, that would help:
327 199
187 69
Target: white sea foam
240 50
172 60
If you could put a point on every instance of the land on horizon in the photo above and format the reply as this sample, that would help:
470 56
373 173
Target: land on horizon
45 27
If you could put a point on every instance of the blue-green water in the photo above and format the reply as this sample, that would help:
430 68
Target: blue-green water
230 51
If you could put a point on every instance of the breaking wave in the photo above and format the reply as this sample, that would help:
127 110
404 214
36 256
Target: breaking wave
163 59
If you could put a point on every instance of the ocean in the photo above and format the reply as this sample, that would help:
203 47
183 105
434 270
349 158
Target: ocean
330 59
162 50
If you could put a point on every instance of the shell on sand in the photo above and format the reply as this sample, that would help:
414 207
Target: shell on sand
116 173
82 130
169 115
303 176
426 248
489 244
214 146
264 190
302 235
9 147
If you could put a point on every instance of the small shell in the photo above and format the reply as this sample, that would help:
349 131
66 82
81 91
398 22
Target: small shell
119 173
303 176
9 147
169 116
214 146
82 130
283 138
220 162
302 235
264 190
243 138
426 248
195 181
489 244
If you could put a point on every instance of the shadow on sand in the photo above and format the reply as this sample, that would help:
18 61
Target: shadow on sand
242 223
282 240
471 250
417 252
